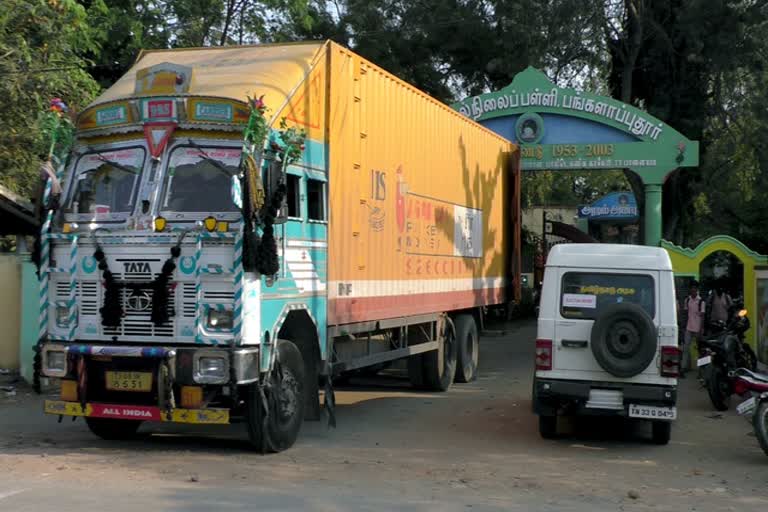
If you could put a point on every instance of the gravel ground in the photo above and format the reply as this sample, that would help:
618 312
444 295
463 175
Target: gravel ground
474 448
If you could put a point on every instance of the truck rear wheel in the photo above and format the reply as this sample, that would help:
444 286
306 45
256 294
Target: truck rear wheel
468 344
113 430
274 421
440 364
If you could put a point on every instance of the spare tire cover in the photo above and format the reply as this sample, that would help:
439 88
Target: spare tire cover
623 340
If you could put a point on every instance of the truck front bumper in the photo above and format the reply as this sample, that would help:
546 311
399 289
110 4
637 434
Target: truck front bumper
138 412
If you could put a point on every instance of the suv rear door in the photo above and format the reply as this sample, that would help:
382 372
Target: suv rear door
583 294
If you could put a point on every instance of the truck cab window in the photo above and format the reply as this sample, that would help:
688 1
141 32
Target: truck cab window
106 182
292 196
199 179
315 200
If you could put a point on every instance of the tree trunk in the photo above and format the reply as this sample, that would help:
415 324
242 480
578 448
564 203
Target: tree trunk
634 40
227 22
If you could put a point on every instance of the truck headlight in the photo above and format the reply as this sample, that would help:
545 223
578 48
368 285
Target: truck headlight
54 361
211 367
219 319
62 315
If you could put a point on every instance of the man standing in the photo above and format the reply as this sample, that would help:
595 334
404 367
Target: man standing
695 308
720 305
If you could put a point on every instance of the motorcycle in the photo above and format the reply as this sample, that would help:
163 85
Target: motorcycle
756 407
721 354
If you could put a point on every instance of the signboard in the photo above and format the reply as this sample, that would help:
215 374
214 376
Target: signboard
158 110
112 114
215 110
635 139
614 206
599 156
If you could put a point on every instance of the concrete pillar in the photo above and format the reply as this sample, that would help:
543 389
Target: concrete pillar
653 214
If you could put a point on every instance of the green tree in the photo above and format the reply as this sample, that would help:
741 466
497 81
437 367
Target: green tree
42 49
676 59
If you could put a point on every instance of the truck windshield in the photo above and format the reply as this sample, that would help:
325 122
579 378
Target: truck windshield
106 182
199 179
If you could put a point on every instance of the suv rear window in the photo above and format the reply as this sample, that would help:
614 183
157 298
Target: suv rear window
585 294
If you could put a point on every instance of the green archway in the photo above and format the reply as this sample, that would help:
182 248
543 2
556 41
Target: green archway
565 129
687 263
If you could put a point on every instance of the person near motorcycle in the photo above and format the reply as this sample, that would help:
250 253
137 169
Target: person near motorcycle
719 305
695 309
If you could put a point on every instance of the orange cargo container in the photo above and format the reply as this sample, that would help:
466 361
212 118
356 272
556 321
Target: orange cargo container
423 202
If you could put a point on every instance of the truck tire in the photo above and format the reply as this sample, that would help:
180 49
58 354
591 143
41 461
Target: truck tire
661 431
624 340
276 428
440 364
113 430
468 343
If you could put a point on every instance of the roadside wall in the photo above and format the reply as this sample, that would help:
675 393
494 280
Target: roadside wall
10 310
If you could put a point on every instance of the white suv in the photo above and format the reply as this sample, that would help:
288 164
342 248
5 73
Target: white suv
607 336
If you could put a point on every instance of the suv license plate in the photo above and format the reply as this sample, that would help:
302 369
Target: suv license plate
128 381
703 361
650 412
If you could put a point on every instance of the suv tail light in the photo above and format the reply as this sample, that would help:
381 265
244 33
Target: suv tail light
543 354
670 361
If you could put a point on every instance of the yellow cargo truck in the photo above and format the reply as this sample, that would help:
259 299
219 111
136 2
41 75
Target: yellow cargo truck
239 225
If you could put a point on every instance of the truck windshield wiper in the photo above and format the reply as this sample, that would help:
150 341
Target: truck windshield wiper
218 165
117 165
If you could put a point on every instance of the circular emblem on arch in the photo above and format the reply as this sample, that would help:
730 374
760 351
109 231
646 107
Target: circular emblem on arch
89 264
187 264
529 128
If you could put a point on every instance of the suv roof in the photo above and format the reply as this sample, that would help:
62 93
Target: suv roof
609 256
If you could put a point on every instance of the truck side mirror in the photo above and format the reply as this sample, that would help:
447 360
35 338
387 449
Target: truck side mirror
275 177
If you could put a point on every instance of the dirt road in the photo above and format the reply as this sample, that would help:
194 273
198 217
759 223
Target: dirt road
474 448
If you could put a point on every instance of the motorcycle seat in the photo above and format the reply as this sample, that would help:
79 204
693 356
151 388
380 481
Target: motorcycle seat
758 377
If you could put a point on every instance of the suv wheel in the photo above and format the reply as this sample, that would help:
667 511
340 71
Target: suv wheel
548 426
661 432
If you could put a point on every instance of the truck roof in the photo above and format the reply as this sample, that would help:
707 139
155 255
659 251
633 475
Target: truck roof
609 256
233 72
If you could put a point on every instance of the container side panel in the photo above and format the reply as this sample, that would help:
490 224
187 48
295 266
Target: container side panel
417 200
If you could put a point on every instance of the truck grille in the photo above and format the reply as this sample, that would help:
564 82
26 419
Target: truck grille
137 320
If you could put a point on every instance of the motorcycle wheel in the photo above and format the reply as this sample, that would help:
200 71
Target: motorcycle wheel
760 423
719 389
750 359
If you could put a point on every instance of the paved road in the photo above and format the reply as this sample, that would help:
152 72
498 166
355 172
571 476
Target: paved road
475 448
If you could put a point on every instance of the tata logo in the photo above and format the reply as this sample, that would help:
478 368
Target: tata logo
140 300
135 267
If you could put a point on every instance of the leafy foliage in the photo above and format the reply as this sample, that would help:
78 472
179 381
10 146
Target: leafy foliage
699 65
42 48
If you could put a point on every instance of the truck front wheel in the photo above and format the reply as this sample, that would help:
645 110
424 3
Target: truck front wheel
113 430
274 420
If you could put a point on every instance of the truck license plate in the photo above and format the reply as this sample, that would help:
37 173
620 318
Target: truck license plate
703 361
129 381
650 412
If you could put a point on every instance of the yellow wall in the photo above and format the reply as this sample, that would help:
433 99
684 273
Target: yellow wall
688 262
10 312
